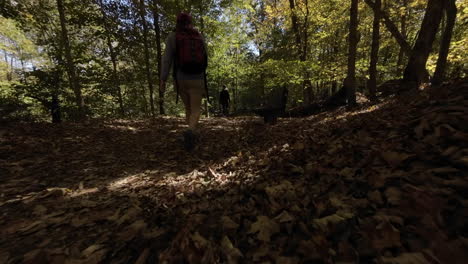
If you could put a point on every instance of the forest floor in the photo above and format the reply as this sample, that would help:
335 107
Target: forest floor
384 183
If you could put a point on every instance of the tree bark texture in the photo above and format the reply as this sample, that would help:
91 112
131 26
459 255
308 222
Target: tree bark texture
392 29
415 71
149 78
451 15
353 40
372 84
113 55
70 65
401 54
157 31
295 25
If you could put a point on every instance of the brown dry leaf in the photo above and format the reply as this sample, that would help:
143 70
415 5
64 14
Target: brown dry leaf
39 210
395 159
393 195
96 257
143 256
228 223
385 236
78 221
375 197
131 214
91 249
154 233
37 256
407 258
232 253
378 179
284 217
260 252
199 241
55 192
265 227
133 230
327 223
423 126
285 188
31 228
286 260
453 252
4 256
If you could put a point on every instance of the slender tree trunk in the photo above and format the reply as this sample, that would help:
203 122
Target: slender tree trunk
113 55
353 40
372 84
401 54
295 25
307 85
8 73
451 14
202 29
157 30
70 65
147 55
392 29
415 71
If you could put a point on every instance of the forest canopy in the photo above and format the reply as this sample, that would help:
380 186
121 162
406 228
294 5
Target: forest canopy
101 58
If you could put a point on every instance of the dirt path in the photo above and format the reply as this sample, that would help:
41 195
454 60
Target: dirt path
385 183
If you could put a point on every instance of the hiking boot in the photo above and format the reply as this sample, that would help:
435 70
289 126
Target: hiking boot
189 140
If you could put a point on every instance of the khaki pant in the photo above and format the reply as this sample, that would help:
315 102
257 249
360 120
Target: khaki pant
191 92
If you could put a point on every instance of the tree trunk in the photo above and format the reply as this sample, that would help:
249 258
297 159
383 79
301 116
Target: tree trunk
350 82
147 55
415 71
157 30
295 25
392 29
70 65
372 84
451 14
8 73
401 54
115 77
202 29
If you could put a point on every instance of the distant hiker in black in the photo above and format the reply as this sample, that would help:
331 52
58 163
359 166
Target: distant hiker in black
224 100
186 54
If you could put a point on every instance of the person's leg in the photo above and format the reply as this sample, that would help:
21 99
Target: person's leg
184 95
192 91
195 96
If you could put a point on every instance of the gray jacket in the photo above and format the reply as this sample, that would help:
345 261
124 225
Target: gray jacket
168 60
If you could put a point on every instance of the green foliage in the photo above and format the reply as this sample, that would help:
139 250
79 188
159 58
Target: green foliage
252 46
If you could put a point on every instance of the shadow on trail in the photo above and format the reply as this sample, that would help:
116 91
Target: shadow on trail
297 173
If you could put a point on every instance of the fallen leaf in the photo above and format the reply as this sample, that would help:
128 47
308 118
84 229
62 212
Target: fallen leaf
228 223
230 251
393 195
395 159
284 217
265 227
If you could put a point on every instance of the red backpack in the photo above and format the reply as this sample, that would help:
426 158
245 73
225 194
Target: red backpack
191 55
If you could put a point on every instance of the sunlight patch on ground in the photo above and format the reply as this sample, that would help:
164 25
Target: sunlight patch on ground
122 127
347 114
81 192
171 187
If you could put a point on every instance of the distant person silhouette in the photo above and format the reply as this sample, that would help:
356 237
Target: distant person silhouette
224 100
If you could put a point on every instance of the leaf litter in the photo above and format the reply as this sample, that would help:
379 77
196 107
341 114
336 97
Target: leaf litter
382 183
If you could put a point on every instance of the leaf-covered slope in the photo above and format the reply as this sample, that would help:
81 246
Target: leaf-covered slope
383 183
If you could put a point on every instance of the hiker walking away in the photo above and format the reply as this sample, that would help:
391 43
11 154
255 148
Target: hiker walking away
186 53
224 100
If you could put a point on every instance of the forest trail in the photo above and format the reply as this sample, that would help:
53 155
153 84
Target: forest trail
385 183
